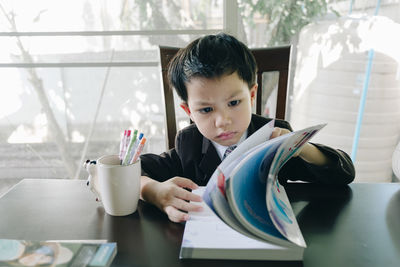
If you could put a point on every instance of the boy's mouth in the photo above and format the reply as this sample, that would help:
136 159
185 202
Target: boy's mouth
226 135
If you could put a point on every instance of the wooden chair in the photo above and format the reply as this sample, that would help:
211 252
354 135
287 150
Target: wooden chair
268 59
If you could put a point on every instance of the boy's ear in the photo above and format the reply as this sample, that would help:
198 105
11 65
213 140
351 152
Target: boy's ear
253 93
186 108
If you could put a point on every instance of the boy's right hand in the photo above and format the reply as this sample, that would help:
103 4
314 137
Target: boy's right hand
171 196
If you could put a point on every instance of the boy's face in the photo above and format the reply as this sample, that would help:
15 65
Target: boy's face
220 107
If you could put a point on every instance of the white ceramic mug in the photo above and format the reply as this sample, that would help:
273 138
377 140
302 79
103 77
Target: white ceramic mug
116 186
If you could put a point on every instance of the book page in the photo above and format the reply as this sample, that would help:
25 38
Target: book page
205 230
261 135
278 204
246 190
214 194
290 147
224 212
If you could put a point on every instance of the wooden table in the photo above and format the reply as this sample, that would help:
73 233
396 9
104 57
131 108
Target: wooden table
355 225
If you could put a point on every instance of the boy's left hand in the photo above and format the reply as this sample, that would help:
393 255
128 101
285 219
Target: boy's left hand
278 132
308 152
282 131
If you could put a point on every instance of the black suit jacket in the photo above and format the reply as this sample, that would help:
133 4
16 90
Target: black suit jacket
196 158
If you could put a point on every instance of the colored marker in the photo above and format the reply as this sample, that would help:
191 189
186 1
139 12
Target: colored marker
139 150
127 140
130 146
121 146
133 151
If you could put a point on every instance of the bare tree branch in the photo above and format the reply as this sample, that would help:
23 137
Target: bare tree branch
37 84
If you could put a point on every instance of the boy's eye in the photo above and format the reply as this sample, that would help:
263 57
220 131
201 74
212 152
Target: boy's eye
205 110
234 103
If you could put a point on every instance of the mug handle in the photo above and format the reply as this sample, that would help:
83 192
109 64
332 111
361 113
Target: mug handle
92 181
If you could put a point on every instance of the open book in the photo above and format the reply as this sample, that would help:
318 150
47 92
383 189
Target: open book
94 253
244 194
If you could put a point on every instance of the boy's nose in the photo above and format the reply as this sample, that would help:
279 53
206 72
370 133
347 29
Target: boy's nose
223 119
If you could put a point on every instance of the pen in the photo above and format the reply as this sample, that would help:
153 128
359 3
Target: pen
121 146
130 146
139 150
127 139
135 146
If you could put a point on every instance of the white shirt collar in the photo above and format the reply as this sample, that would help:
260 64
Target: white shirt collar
221 149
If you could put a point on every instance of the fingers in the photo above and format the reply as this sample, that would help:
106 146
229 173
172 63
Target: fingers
175 215
181 192
177 212
275 133
186 195
278 132
175 200
185 206
184 182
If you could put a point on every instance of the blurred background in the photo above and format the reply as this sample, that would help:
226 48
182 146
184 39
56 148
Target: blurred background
75 74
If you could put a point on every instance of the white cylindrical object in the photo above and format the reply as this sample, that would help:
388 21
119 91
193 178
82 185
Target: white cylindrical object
328 82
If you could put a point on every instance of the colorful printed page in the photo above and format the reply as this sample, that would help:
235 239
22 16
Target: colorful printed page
224 212
214 195
260 136
206 236
201 224
246 191
281 213
278 204
292 145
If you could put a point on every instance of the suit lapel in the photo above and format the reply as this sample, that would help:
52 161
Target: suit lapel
210 159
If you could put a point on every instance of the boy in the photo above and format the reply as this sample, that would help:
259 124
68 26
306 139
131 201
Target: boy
215 76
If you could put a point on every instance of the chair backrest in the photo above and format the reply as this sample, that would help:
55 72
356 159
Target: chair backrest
268 59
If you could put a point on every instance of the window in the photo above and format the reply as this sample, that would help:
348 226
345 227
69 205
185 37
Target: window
77 73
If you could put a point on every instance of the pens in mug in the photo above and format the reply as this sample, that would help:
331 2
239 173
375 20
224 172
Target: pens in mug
139 150
130 146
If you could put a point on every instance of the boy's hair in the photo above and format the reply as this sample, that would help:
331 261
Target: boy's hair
211 56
